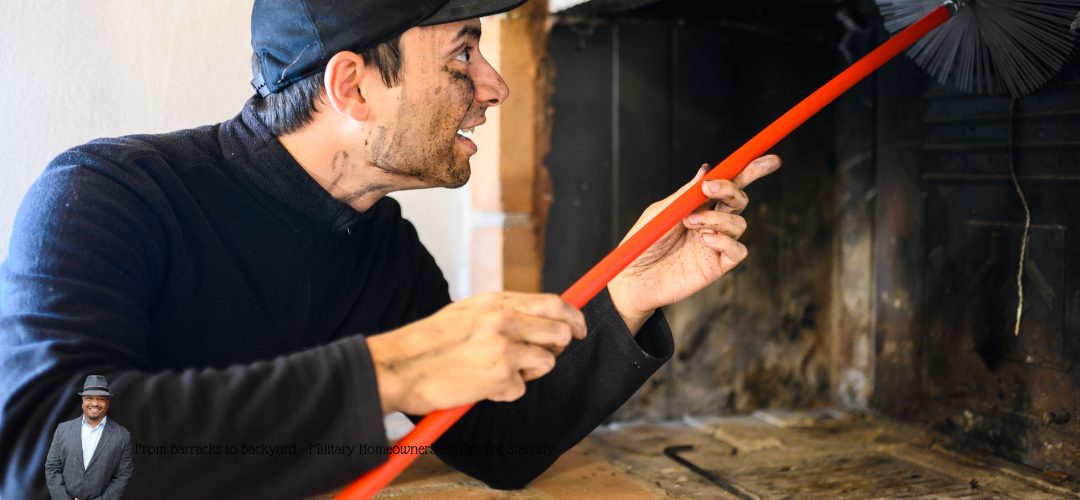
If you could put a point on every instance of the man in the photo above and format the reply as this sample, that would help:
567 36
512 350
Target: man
90 456
262 304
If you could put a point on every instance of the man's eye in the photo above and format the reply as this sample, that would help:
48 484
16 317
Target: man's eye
464 55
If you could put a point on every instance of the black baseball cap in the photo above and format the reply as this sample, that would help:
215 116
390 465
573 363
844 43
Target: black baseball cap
293 39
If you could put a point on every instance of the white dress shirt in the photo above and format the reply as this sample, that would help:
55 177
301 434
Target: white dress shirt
90 438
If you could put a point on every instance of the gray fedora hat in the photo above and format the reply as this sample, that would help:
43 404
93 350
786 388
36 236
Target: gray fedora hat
95 385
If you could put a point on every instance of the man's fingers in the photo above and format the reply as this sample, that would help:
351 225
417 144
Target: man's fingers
541 332
526 363
731 252
717 222
685 187
757 169
511 390
547 306
532 362
730 199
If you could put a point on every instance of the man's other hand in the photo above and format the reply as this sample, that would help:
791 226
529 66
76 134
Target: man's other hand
691 255
483 347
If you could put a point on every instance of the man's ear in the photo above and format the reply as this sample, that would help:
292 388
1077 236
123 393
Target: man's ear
342 79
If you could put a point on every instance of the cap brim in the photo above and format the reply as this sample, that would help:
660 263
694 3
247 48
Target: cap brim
458 10
95 392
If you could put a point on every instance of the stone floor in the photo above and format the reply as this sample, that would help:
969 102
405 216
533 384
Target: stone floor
820 454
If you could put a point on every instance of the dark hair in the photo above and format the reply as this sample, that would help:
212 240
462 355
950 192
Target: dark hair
293 107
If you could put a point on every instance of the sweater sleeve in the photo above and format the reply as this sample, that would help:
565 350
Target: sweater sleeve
506 445
84 263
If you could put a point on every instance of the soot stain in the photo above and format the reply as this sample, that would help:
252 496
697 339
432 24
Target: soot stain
360 193
338 166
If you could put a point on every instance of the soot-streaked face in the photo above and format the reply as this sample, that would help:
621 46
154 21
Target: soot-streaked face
444 89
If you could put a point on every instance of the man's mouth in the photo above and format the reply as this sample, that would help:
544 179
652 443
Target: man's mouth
464 137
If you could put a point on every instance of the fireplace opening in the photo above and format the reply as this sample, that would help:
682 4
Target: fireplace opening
884 256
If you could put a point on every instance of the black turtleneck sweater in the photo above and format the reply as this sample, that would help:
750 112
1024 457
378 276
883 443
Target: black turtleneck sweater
226 297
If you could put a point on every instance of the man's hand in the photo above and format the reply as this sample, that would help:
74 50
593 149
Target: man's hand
692 255
483 347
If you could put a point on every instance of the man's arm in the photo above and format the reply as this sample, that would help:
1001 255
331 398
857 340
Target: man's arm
514 442
594 375
82 275
628 341
120 478
54 469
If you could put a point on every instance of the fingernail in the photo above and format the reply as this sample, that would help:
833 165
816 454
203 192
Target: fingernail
700 172
694 219
712 187
708 238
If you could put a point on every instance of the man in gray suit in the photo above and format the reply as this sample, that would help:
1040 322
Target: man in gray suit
90 456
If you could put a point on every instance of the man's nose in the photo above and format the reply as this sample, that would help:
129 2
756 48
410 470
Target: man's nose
491 90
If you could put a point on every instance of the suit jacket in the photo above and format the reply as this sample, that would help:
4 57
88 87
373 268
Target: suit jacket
109 470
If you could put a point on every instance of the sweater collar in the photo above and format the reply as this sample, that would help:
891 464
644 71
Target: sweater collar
260 160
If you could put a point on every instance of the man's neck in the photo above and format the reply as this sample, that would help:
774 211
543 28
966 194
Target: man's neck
93 422
342 169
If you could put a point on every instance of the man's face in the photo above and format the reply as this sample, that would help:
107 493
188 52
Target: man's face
445 86
95 407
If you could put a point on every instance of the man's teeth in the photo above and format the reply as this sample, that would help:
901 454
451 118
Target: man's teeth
466 131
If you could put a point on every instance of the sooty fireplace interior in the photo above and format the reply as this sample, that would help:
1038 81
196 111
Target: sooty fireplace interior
884 256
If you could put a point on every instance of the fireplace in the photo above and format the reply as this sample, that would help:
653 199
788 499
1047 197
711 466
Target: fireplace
884 256
948 351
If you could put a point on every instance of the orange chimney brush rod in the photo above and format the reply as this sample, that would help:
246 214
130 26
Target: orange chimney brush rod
434 425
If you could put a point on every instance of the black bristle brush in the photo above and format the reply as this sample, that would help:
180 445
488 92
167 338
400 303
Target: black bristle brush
991 46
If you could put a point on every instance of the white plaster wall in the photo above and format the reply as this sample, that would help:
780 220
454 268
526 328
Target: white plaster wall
75 70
